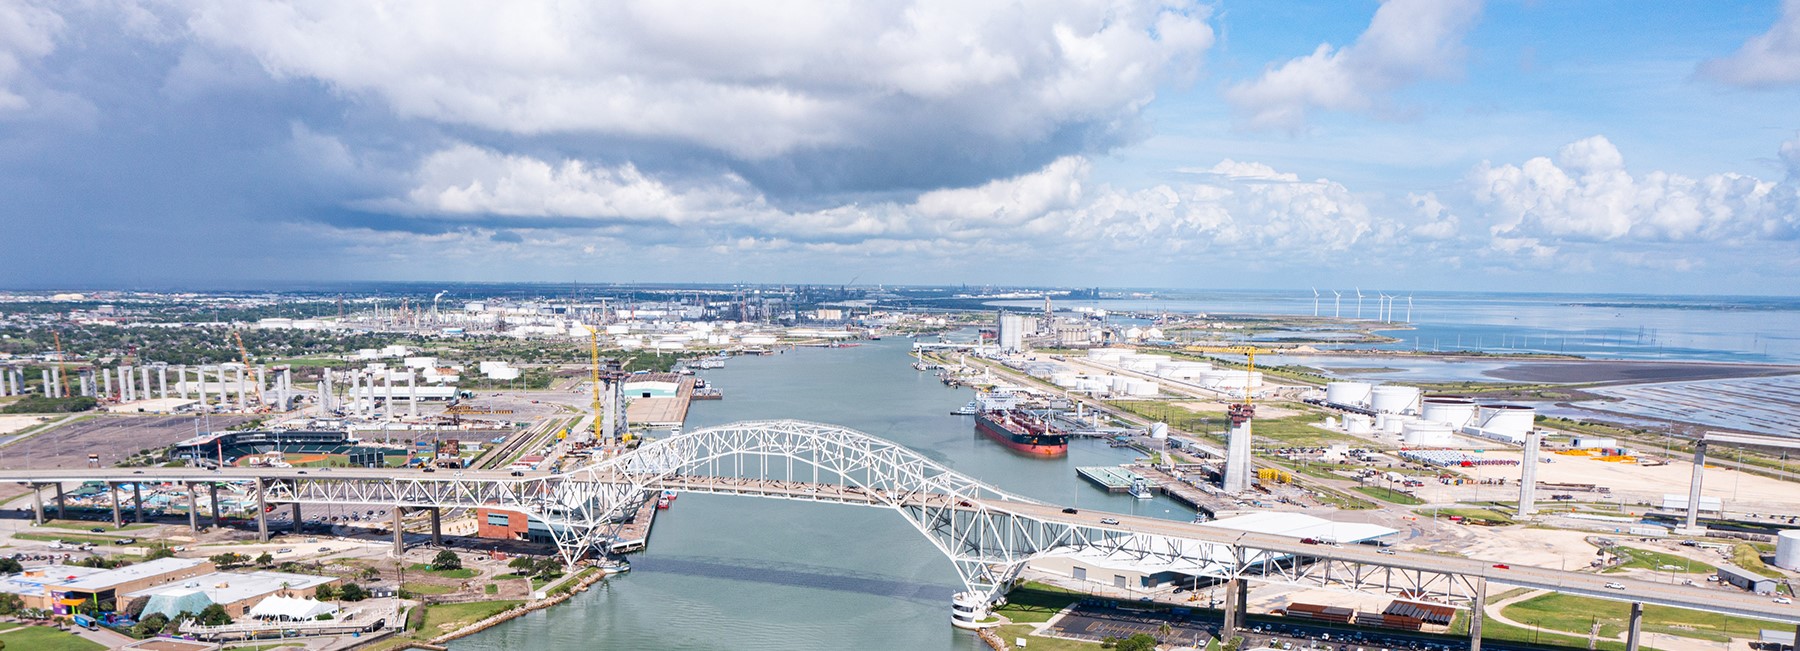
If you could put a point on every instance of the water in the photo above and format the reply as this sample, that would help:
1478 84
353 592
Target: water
728 572
1724 329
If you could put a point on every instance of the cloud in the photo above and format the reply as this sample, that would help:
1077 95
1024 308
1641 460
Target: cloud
27 33
1407 40
1767 60
752 80
1586 194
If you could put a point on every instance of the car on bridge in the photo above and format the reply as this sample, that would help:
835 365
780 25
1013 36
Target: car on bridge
1108 521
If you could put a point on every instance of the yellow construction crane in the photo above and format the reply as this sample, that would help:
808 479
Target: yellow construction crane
1247 351
60 366
245 353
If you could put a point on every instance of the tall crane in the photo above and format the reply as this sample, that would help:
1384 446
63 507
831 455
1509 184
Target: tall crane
245 353
1247 351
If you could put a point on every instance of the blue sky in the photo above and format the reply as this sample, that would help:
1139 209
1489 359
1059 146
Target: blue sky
1419 144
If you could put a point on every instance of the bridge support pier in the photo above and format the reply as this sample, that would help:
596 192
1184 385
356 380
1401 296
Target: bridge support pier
62 505
1228 627
112 489
1694 484
218 515
137 502
294 512
1477 612
37 504
967 609
437 526
193 507
1633 634
399 535
262 507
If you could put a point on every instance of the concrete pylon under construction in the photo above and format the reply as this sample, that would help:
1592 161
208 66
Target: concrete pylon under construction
162 381
1238 466
46 387
412 394
144 372
1528 475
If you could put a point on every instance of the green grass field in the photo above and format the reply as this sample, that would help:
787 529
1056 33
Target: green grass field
45 638
1012 632
459 573
1747 556
444 618
1389 495
1645 559
73 525
1576 614
1036 602
427 588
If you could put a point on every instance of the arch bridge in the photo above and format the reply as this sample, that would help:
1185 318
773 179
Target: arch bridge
988 534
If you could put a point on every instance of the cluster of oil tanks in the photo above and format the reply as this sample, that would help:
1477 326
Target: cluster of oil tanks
1425 420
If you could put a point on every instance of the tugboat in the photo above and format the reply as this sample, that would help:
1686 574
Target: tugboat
974 407
1141 489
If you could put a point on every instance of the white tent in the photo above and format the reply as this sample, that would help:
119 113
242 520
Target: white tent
291 609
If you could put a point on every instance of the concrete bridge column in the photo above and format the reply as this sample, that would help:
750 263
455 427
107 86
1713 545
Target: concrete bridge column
62 506
37 504
137 502
437 527
399 535
1693 510
218 514
193 507
1633 635
1228 629
1477 612
296 515
112 490
262 509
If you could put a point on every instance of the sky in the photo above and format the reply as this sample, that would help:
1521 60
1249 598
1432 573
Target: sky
1531 145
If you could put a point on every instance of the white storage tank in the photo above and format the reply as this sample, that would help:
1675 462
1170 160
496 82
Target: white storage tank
1159 431
1394 399
1787 549
1456 411
1513 420
1426 433
1395 424
1351 394
1356 424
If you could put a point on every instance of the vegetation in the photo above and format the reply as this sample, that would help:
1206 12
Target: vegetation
9 566
352 592
446 560
43 405
1746 555
1645 559
417 588
1577 614
444 618
1138 642
1036 602
1013 631
230 560
1487 516
48 638
1389 495
459 572
214 615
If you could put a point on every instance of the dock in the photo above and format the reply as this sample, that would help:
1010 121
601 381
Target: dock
1112 479
635 535
662 412
1214 505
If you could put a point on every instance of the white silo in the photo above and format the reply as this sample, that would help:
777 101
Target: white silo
1456 411
1787 549
1508 420
1394 399
1159 431
1426 433
1348 394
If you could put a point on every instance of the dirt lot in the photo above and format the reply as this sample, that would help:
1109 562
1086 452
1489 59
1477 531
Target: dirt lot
112 437
1633 483
1631 372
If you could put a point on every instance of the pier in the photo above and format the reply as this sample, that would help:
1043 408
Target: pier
1112 479
635 535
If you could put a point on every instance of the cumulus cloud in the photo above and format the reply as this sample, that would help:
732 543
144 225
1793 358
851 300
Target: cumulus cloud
1586 194
27 33
753 80
1768 59
1231 204
1407 40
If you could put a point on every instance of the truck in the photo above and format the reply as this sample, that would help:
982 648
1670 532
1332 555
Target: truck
86 622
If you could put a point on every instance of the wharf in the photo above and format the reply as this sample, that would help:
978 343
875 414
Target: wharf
1214 505
1112 479
636 532
662 412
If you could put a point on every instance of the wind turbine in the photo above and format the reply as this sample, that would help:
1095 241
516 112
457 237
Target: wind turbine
1359 302
1409 308
1381 306
1337 304
1315 301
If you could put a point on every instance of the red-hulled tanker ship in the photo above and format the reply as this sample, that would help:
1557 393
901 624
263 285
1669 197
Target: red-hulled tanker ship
1022 431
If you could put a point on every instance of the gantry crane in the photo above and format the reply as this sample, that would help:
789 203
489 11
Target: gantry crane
1247 351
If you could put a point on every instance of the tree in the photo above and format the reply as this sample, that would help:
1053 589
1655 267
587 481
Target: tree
150 625
159 552
10 603
229 560
215 615
10 566
353 592
369 573
325 593
446 560
523 564
266 559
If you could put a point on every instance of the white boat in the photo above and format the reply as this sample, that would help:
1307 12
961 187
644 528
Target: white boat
974 407
1141 489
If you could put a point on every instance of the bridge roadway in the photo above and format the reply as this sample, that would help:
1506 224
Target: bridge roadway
1578 583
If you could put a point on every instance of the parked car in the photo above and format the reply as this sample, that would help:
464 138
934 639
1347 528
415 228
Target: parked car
124 541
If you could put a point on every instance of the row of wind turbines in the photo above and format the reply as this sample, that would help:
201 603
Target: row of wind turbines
1386 311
